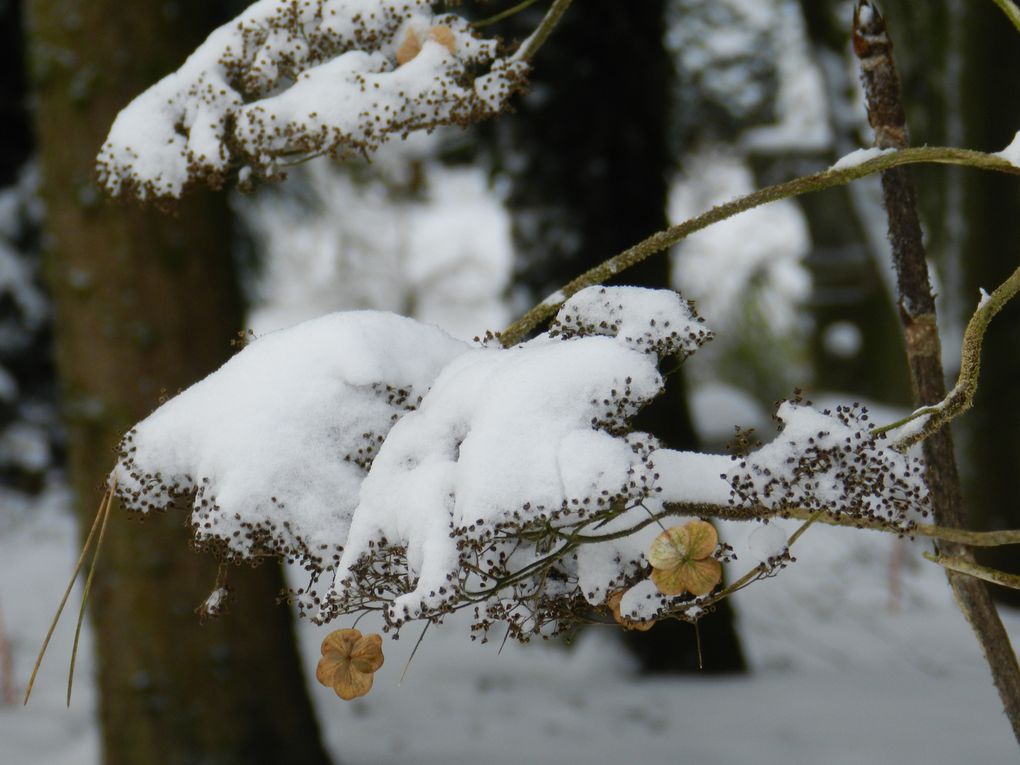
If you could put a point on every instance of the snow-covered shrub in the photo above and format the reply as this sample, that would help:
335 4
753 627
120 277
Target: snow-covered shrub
292 78
427 475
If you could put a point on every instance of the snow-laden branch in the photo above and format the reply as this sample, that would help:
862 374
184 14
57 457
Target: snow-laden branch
428 475
289 79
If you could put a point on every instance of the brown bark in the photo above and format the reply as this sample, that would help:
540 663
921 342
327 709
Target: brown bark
145 302
917 312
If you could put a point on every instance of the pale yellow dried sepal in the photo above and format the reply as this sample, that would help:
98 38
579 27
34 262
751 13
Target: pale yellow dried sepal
409 48
702 539
670 581
340 641
701 576
669 548
411 45
681 558
443 35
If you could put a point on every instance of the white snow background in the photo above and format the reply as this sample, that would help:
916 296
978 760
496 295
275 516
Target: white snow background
840 675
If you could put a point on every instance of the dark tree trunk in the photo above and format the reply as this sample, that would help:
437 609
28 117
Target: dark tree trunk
589 157
144 302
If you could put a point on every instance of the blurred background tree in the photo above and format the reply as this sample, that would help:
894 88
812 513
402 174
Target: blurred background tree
640 113
145 302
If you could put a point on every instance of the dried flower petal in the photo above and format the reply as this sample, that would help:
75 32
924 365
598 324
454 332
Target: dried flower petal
697 577
613 601
681 559
348 662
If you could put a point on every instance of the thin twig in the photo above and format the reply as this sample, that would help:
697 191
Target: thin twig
663 240
962 565
67 592
512 11
1012 12
88 588
552 17
414 650
961 397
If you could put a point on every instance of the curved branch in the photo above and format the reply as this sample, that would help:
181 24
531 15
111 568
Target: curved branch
552 17
930 419
1009 8
665 239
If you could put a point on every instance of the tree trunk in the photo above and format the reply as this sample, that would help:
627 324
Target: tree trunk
590 160
147 302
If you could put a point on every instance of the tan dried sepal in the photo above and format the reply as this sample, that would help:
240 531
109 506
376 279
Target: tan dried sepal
411 45
613 601
409 48
348 662
443 35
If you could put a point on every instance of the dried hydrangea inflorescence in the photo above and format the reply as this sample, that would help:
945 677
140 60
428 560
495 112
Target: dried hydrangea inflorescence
349 662
288 79
682 559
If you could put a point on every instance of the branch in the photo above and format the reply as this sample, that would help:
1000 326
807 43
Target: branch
505 14
530 46
920 330
967 566
820 181
961 397
760 512
1009 8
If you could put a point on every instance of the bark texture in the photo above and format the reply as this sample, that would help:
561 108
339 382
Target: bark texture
147 302
917 311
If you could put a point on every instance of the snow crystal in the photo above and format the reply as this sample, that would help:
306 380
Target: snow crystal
1012 152
858 157
983 298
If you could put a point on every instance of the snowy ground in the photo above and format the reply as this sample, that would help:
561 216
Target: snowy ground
840 676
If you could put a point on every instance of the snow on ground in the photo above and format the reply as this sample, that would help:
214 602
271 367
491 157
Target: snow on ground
842 675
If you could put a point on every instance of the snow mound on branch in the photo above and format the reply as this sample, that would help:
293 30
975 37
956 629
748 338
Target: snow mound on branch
831 461
510 440
288 79
427 474
271 449
665 325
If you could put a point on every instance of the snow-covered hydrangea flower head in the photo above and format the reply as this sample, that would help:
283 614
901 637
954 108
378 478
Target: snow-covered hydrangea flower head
415 475
288 79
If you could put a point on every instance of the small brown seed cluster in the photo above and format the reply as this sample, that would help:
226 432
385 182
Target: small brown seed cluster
841 468
291 79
